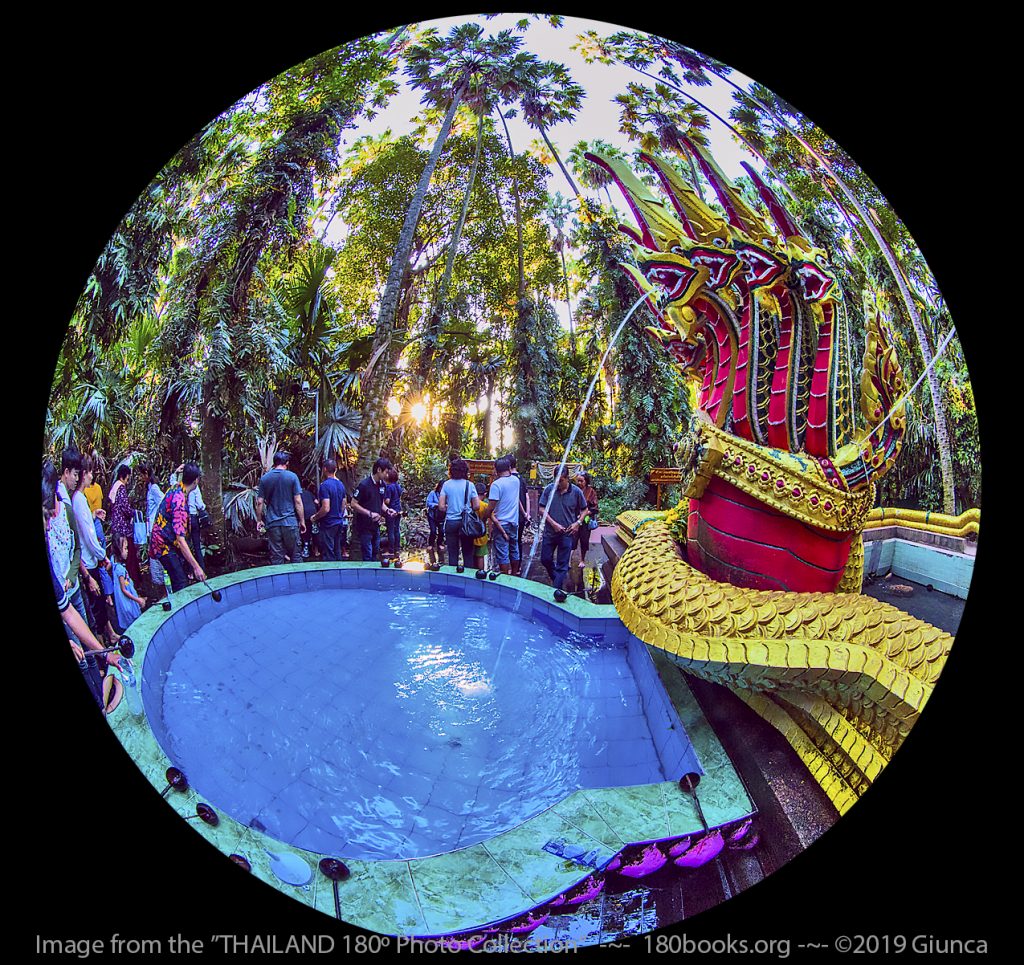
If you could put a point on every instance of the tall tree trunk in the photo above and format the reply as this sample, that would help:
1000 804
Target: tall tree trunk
522 304
485 427
521 289
568 297
440 310
376 391
558 160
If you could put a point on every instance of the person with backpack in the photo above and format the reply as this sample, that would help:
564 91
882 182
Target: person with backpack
457 494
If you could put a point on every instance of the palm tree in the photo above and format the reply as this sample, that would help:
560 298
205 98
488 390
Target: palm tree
552 96
558 212
462 67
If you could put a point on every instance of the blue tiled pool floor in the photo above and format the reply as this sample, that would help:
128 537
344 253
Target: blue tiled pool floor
367 724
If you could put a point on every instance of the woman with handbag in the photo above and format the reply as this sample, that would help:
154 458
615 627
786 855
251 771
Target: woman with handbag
457 505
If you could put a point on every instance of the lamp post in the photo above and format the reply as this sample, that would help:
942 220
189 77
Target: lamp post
314 394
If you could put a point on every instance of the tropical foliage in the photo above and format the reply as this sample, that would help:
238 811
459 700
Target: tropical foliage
290 279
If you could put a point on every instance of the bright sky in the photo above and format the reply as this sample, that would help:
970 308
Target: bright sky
598 117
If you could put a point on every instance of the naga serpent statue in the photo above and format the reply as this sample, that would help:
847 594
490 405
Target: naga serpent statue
754 580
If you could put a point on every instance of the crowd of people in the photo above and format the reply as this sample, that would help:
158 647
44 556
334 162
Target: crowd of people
93 545
94 541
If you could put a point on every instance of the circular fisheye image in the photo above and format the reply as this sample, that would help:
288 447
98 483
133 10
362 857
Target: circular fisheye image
512 482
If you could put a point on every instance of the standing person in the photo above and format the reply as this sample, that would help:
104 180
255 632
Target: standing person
566 508
505 509
169 541
480 544
368 509
64 548
107 692
153 497
281 495
122 519
128 604
196 512
584 482
436 525
309 509
524 512
94 491
455 493
331 514
94 554
393 511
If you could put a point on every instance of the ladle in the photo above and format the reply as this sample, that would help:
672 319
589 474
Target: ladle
337 871
688 783
125 646
175 779
205 813
216 594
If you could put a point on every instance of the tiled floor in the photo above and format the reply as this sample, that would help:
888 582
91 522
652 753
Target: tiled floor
367 723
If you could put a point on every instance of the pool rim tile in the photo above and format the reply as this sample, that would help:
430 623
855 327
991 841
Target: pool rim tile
149 756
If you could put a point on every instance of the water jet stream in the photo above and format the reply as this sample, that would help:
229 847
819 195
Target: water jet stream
565 455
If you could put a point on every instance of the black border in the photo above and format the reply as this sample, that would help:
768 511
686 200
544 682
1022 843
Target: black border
110 98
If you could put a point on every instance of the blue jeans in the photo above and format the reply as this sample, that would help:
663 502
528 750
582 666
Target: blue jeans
175 566
555 550
369 543
332 541
394 533
504 549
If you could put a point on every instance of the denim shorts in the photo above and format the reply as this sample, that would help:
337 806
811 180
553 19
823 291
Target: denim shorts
503 548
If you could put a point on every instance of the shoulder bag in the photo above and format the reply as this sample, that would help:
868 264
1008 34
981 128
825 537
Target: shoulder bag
471 525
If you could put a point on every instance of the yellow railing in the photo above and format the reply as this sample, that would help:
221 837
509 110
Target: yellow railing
966 523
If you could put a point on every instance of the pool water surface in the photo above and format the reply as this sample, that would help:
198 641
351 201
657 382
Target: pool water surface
371 724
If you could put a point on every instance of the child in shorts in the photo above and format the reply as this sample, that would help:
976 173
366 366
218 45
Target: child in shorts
480 544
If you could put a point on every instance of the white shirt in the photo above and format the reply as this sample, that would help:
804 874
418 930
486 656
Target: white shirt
92 552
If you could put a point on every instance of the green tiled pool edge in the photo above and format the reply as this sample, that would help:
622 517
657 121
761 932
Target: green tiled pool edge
505 875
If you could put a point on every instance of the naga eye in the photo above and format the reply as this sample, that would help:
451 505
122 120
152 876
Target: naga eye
718 242
822 261
676 249
767 242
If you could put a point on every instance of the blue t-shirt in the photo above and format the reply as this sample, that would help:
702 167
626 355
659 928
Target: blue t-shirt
456 494
393 493
432 500
334 490
278 489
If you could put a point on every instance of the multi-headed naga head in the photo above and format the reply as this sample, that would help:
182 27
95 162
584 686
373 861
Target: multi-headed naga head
749 305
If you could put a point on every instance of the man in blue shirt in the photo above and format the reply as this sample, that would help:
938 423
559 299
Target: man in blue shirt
280 495
331 514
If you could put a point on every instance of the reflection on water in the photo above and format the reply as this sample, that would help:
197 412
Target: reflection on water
367 724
